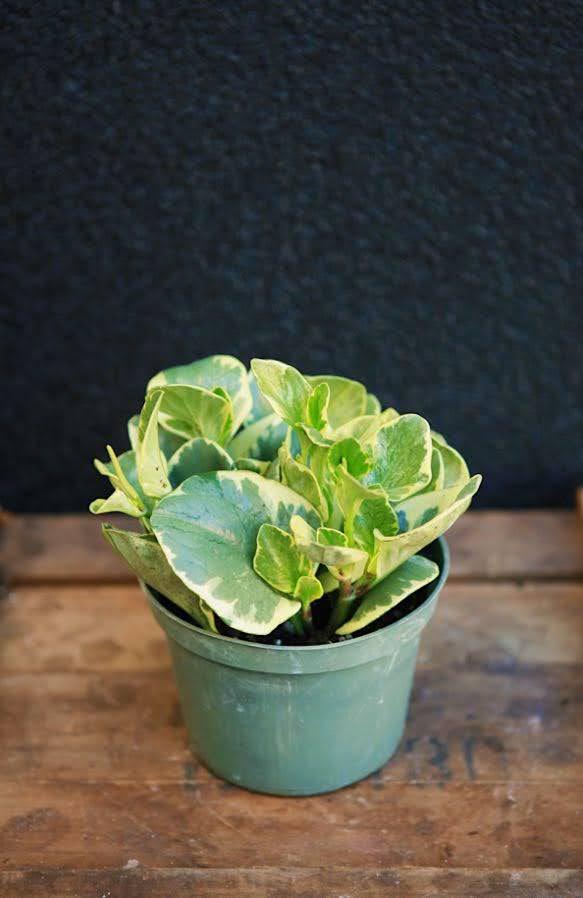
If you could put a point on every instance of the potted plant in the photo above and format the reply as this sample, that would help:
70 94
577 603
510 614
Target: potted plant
291 549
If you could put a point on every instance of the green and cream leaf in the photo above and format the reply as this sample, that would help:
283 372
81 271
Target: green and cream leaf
189 411
301 479
286 390
222 371
455 470
208 531
117 502
278 560
398 585
391 551
260 440
348 398
401 457
308 589
145 557
151 461
330 547
198 456
317 407
373 405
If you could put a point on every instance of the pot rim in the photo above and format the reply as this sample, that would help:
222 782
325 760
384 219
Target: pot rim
393 629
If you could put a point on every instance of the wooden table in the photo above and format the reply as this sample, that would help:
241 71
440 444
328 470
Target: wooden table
100 798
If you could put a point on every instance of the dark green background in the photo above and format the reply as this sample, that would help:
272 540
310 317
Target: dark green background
385 190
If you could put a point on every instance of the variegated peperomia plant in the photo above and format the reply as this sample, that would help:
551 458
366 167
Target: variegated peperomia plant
261 493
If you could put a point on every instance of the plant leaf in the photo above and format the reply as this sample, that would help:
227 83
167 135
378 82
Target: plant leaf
127 463
278 560
253 464
373 513
328 536
145 557
260 440
208 531
286 390
348 398
349 452
401 457
151 461
169 442
197 456
438 438
325 547
373 406
350 492
391 551
308 589
317 408
455 470
301 479
117 502
366 426
195 412
223 371
406 579
437 472
423 507
260 407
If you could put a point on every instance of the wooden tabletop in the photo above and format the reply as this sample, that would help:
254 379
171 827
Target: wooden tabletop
100 797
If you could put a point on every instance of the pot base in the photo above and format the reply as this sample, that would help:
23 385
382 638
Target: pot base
301 791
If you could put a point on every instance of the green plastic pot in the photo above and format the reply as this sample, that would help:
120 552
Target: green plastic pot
297 721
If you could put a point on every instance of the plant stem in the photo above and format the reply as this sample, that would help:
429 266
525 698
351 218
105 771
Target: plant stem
307 618
298 624
346 596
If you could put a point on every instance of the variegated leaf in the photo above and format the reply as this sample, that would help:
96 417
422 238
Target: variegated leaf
401 457
145 557
278 560
402 582
391 551
190 411
455 470
330 547
128 483
301 479
117 502
286 390
259 440
308 589
197 456
373 405
223 371
208 531
169 442
151 461
348 398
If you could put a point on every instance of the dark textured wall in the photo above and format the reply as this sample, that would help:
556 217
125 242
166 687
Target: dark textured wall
384 190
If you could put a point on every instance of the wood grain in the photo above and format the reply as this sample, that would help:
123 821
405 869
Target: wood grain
484 544
124 726
479 626
206 824
100 796
431 882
